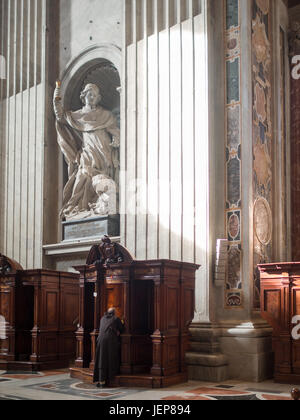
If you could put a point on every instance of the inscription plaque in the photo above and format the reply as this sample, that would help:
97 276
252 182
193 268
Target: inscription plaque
91 228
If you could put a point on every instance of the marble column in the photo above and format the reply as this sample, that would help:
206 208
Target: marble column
233 341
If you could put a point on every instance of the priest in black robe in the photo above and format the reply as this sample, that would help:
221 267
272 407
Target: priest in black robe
107 361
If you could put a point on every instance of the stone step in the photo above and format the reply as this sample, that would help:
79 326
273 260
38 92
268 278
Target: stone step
206 359
210 348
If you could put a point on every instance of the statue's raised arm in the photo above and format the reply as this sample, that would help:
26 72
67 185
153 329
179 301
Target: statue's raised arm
57 102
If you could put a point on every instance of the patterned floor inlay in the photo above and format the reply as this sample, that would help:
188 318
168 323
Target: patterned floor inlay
182 398
72 387
252 397
216 391
230 392
20 372
276 398
264 391
54 385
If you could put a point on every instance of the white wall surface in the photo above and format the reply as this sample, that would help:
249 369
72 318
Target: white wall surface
84 23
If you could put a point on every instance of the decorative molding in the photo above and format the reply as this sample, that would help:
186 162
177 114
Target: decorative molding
109 52
263 138
72 247
108 252
233 118
263 221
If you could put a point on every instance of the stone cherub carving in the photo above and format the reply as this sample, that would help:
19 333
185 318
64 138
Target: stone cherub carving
89 139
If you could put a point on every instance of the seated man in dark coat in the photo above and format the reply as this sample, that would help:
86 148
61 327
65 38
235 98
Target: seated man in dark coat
107 362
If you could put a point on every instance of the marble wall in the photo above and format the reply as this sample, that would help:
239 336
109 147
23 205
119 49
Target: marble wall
164 150
83 24
162 134
22 107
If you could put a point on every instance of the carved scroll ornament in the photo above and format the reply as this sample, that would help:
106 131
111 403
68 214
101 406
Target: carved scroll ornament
108 253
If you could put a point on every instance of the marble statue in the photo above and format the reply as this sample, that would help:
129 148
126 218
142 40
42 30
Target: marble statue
89 140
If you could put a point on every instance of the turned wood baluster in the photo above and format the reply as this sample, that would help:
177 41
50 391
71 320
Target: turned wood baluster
157 336
97 315
35 333
126 367
80 331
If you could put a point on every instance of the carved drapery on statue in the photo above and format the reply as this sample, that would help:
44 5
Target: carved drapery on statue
89 139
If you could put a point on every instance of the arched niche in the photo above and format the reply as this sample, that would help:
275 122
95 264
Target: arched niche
100 65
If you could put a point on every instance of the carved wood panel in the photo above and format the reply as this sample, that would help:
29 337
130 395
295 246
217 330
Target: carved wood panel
157 303
173 308
37 310
272 301
280 302
51 308
114 298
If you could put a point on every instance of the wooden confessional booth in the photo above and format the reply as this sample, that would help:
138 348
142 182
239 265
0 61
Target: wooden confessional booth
156 300
280 302
39 315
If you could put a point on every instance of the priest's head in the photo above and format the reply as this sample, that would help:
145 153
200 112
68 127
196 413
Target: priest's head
91 95
111 311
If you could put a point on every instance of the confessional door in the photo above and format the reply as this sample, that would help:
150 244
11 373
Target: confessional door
24 322
280 303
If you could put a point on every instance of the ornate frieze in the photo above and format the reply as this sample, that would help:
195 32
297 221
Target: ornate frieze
262 138
233 292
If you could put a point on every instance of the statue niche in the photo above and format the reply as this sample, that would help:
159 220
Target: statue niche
89 139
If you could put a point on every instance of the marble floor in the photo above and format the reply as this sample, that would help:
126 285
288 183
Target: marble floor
57 385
